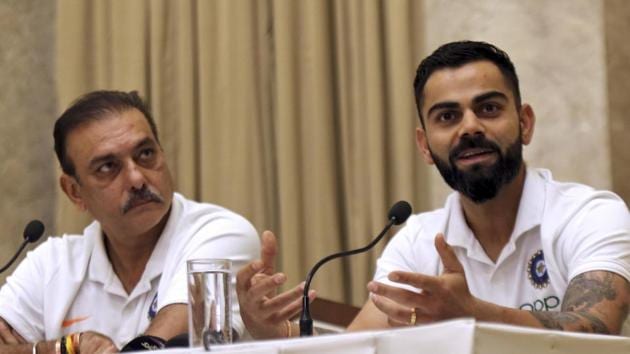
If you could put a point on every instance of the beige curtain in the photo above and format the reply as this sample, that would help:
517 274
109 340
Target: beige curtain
297 114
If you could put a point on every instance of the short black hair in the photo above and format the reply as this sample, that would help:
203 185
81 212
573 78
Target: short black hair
90 107
457 54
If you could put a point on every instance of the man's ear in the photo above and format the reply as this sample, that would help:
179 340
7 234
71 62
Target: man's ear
423 145
72 188
527 120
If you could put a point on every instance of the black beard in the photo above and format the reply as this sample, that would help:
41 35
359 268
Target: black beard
481 183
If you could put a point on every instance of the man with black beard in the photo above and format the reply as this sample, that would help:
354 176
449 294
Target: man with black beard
511 245
481 184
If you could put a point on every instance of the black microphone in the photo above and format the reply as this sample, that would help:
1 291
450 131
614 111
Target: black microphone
179 341
397 215
144 342
32 232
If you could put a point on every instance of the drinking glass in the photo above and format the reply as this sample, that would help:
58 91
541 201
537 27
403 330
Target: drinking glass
209 302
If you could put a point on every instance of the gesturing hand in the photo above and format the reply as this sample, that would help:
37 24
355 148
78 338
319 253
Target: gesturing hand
441 297
264 312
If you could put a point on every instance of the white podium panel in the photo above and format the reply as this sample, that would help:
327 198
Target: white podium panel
452 337
501 339
464 336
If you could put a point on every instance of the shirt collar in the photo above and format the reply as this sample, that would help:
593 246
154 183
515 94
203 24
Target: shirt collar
155 265
100 268
458 233
529 215
532 204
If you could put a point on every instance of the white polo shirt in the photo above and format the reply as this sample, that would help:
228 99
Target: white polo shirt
561 231
67 284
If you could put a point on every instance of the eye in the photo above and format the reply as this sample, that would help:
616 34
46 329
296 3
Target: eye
446 116
489 109
146 154
106 168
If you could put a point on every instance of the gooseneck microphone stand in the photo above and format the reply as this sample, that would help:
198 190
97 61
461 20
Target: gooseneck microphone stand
398 214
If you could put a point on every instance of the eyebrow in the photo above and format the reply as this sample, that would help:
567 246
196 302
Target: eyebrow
442 105
476 100
488 95
103 158
145 142
100 159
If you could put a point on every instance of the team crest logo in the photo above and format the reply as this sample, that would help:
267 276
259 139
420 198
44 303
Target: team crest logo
537 270
152 308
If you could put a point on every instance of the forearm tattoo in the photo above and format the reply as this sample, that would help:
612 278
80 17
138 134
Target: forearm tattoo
584 293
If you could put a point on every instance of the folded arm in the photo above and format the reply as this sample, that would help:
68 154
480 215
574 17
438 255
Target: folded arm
12 342
169 322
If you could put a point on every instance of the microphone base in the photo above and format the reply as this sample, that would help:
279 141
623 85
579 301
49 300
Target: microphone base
306 327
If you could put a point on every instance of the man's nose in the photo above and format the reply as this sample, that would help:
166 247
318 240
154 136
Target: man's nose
135 176
470 124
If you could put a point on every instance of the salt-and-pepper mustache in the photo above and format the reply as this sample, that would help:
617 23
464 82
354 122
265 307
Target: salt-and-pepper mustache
139 196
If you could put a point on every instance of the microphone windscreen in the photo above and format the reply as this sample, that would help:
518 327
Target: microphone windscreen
33 231
399 212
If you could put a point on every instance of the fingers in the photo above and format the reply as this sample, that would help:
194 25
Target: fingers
266 264
420 281
264 286
447 255
405 298
268 251
420 319
298 306
257 298
107 349
244 276
8 335
93 342
18 337
287 304
281 311
265 316
397 314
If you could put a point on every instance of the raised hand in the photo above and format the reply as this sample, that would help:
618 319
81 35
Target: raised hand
441 297
264 312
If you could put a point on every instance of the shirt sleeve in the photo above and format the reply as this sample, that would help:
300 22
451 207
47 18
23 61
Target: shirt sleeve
395 256
229 236
598 238
410 250
21 297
